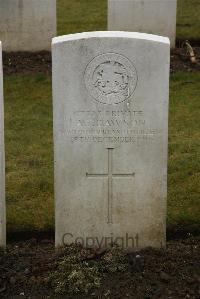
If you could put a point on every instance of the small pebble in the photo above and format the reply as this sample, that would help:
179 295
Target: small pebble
12 280
26 271
164 277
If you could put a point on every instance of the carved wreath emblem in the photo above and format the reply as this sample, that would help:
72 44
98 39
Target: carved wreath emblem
110 78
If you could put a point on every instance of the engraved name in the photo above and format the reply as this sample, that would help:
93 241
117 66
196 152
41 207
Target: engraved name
108 126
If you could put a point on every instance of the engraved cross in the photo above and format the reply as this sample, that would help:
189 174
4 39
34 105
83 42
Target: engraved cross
110 175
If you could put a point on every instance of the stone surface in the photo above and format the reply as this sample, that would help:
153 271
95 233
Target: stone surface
2 162
149 16
27 25
110 97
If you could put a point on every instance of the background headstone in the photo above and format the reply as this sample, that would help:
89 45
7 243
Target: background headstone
27 25
149 16
110 92
2 162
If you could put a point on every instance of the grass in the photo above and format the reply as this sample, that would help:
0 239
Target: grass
81 15
90 15
184 150
188 19
29 151
28 125
29 158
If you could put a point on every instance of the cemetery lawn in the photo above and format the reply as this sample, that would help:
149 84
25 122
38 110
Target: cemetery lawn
90 15
184 150
28 127
188 20
29 152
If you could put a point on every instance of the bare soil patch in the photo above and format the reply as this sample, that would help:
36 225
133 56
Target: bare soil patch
40 63
173 272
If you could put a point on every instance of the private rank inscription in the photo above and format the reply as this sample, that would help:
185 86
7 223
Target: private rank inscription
110 127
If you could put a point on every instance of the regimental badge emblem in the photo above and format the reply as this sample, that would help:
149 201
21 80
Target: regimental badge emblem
110 78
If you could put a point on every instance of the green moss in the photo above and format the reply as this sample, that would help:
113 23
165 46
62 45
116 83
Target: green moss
75 278
77 272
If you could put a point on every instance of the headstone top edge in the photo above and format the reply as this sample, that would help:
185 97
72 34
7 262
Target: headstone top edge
110 34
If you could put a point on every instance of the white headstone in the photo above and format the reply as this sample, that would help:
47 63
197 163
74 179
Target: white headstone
110 94
149 16
27 25
2 162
